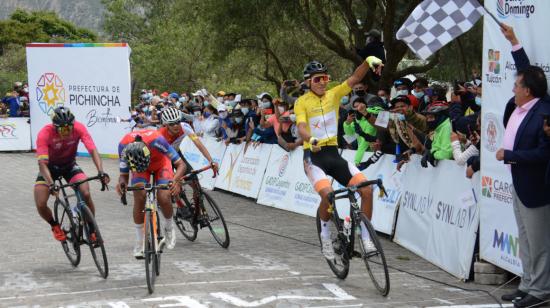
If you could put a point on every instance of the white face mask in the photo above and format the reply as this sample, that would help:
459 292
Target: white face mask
265 105
281 109
197 113
238 120
223 114
244 110
293 118
178 104
402 92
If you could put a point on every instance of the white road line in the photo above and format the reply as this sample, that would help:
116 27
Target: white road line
165 285
444 301
336 306
474 306
181 301
339 292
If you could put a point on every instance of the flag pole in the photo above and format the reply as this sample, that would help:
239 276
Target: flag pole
493 16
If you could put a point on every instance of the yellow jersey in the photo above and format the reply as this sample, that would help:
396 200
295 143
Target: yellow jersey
320 114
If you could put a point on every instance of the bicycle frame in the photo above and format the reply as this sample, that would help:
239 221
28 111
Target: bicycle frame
151 206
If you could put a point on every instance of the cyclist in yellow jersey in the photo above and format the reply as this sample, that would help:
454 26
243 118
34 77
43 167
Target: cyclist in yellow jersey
317 120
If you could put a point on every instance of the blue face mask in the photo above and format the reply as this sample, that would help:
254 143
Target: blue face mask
418 94
478 100
344 100
206 114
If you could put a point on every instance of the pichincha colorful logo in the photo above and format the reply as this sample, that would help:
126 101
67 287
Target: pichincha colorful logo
487 186
50 92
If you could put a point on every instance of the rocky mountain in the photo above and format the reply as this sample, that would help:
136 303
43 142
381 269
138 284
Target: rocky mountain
83 13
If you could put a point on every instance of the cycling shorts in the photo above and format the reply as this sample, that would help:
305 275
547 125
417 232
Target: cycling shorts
163 174
328 162
72 173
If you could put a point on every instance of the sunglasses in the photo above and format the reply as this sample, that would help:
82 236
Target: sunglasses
323 78
174 124
64 130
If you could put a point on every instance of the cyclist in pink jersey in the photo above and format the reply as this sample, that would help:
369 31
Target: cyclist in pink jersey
56 147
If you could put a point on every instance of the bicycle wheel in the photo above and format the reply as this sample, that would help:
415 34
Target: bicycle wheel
64 217
375 261
216 222
187 226
149 253
96 248
340 264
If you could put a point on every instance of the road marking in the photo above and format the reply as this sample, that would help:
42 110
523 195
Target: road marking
253 263
337 306
167 285
444 301
474 306
181 301
118 304
340 294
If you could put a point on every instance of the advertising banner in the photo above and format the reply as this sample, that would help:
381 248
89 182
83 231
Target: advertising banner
438 222
285 184
15 134
93 80
243 169
197 160
498 229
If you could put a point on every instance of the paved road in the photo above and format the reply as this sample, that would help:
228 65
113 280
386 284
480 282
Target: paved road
258 269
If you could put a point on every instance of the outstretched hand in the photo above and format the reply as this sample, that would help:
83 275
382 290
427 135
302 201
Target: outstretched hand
509 34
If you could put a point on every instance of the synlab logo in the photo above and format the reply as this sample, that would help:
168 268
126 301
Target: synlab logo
50 92
516 8
506 243
486 186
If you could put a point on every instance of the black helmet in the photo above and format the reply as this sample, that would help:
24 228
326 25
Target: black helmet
436 108
62 116
314 67
137 155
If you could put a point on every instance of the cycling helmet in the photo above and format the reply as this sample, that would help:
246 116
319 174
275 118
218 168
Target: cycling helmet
62 116
314 67
436 108
171 115
137 155
376 102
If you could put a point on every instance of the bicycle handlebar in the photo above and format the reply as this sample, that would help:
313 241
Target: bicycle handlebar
78 183
195 172
354 188
147 187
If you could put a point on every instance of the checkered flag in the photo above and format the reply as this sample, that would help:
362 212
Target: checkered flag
434 23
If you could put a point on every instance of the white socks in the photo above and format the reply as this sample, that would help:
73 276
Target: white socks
325 231
168 223
139 232
364 232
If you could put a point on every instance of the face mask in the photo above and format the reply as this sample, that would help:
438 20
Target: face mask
182 99
265 105
146 109
478 100
293 118
206 114
219 99
206 103
238 120
402 92
197 113
418 94
281 109
360 92
400 117
231 103
245 110
26 90
344 100
223 115
178 104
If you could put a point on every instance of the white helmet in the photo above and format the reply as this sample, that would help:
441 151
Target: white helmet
171 115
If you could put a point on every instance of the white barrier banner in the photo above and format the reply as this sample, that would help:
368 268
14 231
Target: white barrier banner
93 80
197 160
15 134
243 169
285 184
498 229
438 221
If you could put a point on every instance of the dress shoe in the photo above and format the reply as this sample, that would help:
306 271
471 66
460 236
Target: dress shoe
529 301
517 295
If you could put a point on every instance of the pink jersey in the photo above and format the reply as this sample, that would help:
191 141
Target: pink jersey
57 151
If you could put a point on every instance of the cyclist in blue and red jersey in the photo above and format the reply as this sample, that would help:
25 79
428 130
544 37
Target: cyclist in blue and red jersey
145 153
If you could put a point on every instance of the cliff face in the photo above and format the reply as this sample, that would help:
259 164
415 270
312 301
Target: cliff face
83 13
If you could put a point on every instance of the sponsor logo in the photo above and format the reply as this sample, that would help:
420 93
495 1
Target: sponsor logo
8 130
492 132
493 67
508 246
496 189
283 165
50 92
516 8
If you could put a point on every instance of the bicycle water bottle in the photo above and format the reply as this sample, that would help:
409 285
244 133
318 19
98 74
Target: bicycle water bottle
347 226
